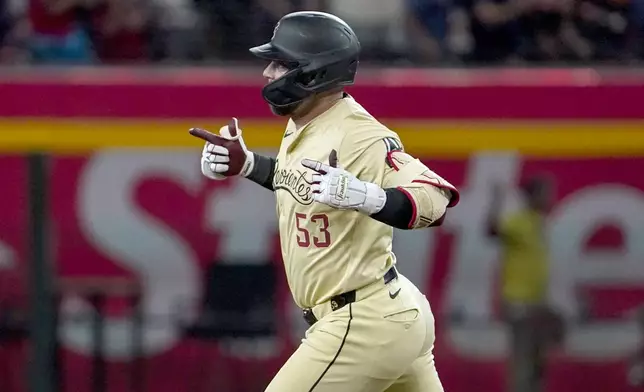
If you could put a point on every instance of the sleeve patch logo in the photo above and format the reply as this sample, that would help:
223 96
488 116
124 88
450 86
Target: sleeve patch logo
392 144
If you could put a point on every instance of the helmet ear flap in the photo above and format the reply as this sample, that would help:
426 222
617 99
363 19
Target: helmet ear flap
327 77
306 79
312 79
353 66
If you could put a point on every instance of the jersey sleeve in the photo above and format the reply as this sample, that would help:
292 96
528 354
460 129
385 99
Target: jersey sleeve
430 194
384 162
362 154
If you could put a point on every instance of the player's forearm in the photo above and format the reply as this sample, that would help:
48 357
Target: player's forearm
263 171
397 211
415 206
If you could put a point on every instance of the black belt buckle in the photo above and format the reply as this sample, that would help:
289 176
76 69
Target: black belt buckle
342 300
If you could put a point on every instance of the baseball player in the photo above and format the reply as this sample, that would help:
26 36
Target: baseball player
342 182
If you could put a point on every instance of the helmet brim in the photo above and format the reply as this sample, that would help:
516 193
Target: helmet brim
268 52
272 52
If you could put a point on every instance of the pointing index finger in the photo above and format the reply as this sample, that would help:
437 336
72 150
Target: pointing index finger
207 136
315 165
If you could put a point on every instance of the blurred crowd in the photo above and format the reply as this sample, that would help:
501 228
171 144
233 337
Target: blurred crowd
392 31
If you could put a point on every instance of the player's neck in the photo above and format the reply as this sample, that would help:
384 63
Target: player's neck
320 106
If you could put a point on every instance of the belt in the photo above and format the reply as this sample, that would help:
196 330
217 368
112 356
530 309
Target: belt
342 300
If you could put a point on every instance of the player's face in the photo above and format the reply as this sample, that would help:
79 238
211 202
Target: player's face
274 71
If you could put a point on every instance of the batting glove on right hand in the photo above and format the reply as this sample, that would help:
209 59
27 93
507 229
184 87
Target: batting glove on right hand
224 155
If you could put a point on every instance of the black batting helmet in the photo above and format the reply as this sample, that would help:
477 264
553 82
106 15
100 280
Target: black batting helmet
320 50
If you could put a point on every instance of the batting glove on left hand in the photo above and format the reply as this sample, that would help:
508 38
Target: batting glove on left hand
340 189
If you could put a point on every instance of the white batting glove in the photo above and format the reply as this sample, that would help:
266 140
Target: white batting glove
340 189
224 155
214 161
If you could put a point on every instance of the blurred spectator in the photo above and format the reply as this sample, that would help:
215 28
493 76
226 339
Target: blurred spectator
279 8
604 23
235 26
14 32
428 28
6 19
380 26
417 31
177 32
119 31
524 282
57 35
271 11
493 27
635 30
547 31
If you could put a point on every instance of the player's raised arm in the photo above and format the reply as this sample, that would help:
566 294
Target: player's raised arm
225 155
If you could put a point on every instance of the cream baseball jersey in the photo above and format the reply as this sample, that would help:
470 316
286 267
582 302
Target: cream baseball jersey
327 252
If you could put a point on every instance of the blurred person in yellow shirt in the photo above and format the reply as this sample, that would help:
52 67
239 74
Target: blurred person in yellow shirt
524 279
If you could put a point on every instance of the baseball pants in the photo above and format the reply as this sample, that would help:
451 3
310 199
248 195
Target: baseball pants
382 342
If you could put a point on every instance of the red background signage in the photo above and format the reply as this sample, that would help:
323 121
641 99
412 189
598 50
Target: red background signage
149 215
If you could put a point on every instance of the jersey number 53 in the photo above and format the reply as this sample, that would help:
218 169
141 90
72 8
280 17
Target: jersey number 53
319 237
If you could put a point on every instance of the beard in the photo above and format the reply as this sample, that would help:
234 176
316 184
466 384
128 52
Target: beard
284 111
